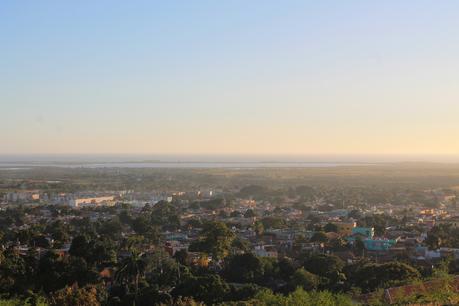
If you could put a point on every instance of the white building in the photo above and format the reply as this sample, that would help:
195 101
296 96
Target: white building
92 201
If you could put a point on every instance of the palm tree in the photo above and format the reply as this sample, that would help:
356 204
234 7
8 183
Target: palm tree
131 269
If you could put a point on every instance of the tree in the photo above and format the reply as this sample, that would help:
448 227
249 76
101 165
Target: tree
244 268
328 266
213 204
235 214
181 256
79 246
304 279
50 273
101 252
337 244
125 217
223 214
330 227
164 272
286 268
143 226
443 235
240 245
378 222
249 213
301 297
59 232
111 228
165 215
131 269
371 276
75 296
40 241
209 288
259 228
273 222
187 301
28 302
13 273
319 237
433 241
216 239
148 296
76 270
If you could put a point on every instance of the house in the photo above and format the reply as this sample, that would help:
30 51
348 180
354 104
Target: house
266 251
22 196
379 244
92 201
361 233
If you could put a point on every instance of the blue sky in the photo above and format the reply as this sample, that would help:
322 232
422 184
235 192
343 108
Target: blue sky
230 77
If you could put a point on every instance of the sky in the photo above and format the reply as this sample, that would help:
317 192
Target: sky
229 77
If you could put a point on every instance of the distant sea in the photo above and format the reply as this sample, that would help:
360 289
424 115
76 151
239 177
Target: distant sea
12 162
207 161
18 166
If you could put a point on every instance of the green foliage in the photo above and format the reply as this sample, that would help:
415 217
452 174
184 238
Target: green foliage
245 268
299 297
26 302
131 269
337 244
143 226
249 213
235 214
304 279
213 204
165 215
330 227
75 296
273 222
328 267
319 237
165 272
216 240
378 222
323 265
371 276
207 288
443 235
79 246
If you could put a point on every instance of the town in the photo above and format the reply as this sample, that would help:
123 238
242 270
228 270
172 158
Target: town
227 236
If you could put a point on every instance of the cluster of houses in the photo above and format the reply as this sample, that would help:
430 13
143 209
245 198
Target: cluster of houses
293 235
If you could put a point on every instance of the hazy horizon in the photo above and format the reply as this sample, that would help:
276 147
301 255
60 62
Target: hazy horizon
227 158
298 78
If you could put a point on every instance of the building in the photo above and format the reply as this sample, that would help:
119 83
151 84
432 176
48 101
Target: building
22 196
205 193
92 201
379 244
266 251
361 233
